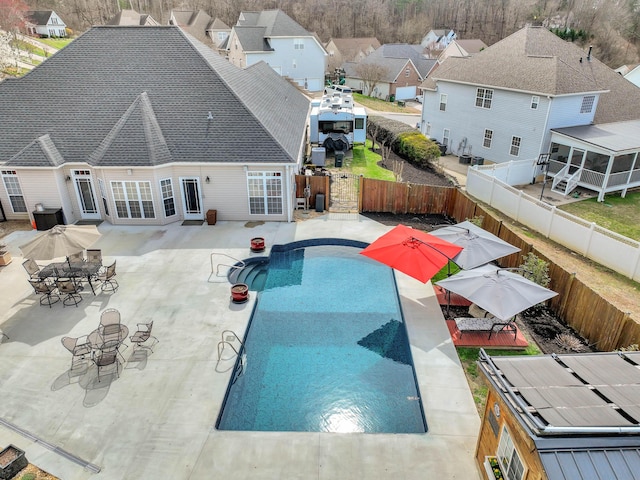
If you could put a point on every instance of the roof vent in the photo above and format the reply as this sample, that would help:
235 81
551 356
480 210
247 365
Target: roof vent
210 116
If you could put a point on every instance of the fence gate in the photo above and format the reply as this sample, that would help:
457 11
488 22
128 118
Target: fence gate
344 191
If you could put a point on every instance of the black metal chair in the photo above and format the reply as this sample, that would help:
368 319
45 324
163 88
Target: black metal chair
68 287
106 357
142 335
109 283
45 290
32 268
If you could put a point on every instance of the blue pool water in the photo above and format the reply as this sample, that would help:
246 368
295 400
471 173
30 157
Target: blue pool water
326 350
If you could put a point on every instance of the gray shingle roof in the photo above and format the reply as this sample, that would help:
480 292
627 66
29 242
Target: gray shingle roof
114 106
39 17
253 39
131 17
349 47
276 23
40 152
394 57
537 61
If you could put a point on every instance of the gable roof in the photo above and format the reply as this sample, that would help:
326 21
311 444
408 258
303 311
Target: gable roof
252 39
276 23
349 47
131 17
471 46
193 22
218 24
146 103
39 17
534 60
394 57
41 152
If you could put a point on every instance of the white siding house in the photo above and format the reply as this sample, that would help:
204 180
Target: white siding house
502 103
164 131
45 23
274 38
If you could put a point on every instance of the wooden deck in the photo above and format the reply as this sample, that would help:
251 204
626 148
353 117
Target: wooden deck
481 339
455 300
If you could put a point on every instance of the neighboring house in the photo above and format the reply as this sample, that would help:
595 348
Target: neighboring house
45 23
405 68
435 41
502 102
200 25
343 50
273 37
561 417
633 75
462 48
131 17
155 128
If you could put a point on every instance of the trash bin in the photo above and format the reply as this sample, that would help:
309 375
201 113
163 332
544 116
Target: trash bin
319 202
401 103
339 157
212 217
392 98
465 159
443 149
477 161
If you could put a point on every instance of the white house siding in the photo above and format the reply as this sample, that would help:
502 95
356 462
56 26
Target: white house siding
309 61
38 186
510 115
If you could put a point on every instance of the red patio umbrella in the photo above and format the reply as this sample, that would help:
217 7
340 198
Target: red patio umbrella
413 252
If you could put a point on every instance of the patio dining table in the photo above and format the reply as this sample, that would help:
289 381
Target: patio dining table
84 270
96 340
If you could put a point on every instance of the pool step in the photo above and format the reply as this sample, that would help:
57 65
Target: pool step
254 274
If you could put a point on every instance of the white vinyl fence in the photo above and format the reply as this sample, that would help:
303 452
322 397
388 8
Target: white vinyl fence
492 184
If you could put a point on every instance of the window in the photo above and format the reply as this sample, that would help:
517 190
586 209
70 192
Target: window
535 101
587 104
407 72
166 187
510 462
133 199
428 129
265 193
483 97
443 102
359 124
103 194
446 134
298 43
14 191
488 136
515 146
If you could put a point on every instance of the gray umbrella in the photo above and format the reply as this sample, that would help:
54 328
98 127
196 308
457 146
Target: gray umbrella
498 291
480 246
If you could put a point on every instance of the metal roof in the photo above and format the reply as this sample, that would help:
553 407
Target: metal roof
616 137
606 463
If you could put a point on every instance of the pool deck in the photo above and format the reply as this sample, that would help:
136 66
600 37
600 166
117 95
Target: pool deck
157 419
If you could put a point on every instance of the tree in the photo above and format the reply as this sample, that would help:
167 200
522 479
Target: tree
12 14
6 52
371 74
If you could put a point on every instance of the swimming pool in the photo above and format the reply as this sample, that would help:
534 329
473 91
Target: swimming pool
326 349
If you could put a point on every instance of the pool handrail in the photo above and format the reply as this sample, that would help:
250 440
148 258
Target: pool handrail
239 265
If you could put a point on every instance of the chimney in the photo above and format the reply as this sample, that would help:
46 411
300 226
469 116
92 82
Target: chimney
589 54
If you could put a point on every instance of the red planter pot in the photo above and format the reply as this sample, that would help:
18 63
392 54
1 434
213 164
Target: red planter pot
239 293
257 244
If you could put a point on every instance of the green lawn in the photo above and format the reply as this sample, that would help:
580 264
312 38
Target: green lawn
58 43
468 358
381 105
365 163
27 47
615 213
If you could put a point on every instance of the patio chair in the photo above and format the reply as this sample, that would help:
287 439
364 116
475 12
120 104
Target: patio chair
45 290
32 268
142 335
109 283
68 287
80 349
486 325
94 256
77 257
105 358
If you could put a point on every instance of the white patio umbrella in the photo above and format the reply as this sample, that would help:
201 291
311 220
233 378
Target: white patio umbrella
60 241
499 291
480 246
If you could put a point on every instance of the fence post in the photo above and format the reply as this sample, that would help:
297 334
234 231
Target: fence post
493 186
634 265
360 192
518 206
565 297
551 216
592 229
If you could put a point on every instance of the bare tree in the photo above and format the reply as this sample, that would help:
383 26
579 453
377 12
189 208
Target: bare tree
371 74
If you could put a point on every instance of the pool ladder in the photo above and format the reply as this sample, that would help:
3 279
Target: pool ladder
216 266
229 341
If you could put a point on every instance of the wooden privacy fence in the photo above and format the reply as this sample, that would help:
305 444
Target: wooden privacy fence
603 325
317 184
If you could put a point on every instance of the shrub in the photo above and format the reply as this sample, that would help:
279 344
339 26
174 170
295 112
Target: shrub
536 269
28 476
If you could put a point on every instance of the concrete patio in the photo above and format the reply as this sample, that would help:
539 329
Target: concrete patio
157 419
